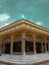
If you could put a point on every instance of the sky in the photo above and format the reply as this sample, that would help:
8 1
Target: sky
36 11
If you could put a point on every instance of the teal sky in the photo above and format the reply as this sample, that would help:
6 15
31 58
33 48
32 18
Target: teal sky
36 11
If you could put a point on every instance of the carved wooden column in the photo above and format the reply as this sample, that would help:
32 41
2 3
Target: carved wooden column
45 45
34 44
11 49
0 46
23 44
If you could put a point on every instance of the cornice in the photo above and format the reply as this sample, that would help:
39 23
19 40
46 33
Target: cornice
20 24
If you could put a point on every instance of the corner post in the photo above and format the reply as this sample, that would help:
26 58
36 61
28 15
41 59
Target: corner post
23 44
34 44
11 49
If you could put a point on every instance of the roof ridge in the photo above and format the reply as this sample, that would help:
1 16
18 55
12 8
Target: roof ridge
25 21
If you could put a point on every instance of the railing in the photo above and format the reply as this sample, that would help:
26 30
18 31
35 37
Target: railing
28 53
17 53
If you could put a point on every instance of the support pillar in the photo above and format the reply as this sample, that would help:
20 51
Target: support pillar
34 44
11 49
45 45
3 49
0 46
23 44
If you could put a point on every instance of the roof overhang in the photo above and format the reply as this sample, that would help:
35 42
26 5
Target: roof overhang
23 24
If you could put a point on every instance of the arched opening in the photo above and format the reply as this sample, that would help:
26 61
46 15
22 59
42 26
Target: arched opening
29 47
17 47
47 45
40 45
6 46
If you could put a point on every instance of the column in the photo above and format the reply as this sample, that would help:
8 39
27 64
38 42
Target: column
34 44
48 46
3 49
0 46
23 44
11 49
45 44
42 47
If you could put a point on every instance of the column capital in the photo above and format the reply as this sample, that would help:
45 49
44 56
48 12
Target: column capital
23 35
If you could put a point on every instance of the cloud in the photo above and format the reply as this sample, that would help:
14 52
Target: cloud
4 17
6 24
39 23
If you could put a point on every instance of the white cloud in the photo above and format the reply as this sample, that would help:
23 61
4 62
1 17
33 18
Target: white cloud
6 24
4 17
39 23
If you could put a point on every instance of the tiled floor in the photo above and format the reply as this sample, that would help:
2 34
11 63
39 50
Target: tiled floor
2 64
27 59
45 63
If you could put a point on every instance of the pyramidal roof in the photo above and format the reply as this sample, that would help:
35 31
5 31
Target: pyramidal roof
24 24
24 21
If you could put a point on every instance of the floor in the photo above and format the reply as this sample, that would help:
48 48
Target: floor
24 59
2 64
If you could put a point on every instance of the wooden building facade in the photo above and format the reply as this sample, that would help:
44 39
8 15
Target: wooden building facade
24 37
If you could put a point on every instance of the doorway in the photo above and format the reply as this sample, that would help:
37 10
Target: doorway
6 48
38 47
17 47
29 47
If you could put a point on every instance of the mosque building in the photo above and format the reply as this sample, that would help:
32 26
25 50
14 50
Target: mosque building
23 38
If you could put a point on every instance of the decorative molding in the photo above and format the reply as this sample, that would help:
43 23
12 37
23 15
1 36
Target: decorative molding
23 24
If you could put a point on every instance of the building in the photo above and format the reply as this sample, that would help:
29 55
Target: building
24 37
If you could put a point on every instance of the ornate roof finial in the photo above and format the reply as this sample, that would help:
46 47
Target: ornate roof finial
22 15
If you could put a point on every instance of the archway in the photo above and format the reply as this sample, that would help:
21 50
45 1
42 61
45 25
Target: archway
29 47
6 46
40 45
17 47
